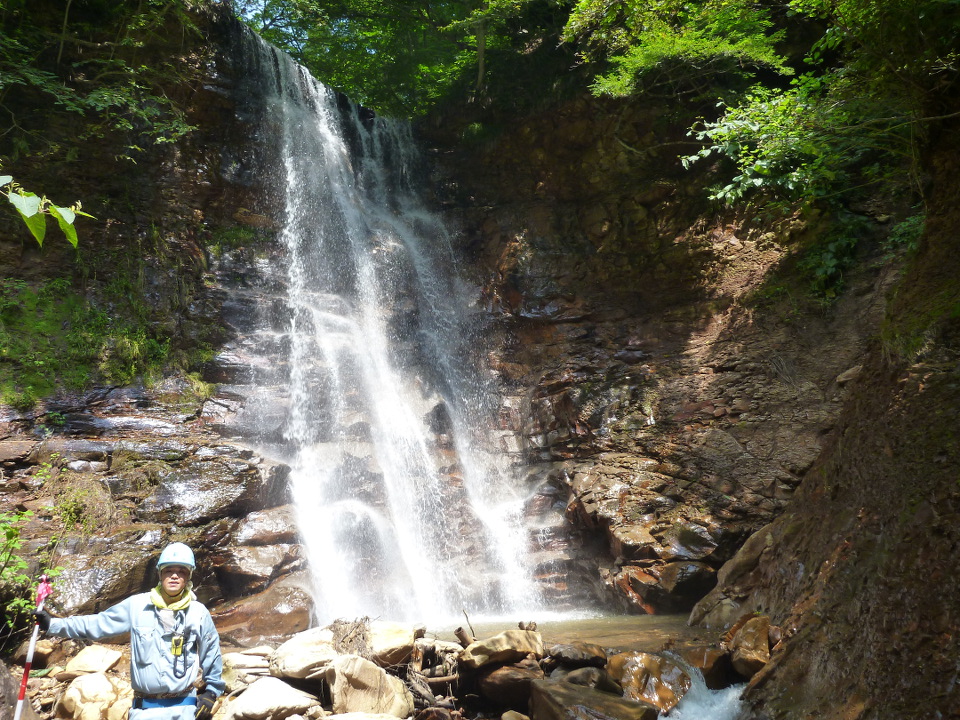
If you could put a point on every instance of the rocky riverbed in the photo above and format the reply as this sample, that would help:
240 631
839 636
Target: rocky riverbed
379 669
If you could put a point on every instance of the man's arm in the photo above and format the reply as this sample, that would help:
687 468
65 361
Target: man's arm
112 621
211 663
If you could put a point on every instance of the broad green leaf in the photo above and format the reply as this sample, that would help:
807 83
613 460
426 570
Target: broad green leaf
65 218
6 179
37 224
66 213
27 204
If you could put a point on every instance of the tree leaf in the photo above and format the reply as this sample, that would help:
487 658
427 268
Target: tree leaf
5 180
65 218
66 213
27 204
37 224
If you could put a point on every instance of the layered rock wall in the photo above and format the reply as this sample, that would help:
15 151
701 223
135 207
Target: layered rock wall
665 393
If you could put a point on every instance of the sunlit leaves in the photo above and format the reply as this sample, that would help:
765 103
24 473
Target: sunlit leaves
673 46
33 210
89 65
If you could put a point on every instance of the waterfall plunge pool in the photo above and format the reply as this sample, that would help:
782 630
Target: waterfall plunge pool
659 634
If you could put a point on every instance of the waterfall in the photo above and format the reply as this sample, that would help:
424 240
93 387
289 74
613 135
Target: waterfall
407 510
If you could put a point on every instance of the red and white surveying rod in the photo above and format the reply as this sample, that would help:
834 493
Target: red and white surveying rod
43 590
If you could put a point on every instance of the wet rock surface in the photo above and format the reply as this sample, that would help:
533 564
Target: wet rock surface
663 405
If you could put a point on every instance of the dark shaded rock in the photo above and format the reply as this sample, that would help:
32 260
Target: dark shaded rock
593 677
558 700
243 570
713 663
687 541
686 582
509 686
578 654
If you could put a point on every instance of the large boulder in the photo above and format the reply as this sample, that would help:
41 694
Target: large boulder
685 582
92 659
283 609
43 650
244 668
96 696
558 700
688 541
578 654
269 699
591 677
508 686
713 663
507 647
650 678
246 569
202 489
305 655
391 643
273 526
358 685
750 646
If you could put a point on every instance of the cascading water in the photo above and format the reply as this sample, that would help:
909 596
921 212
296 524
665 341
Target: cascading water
404 510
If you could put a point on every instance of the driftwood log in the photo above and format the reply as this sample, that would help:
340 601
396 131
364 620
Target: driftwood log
463 637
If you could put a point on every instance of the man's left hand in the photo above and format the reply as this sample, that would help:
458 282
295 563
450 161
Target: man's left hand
205 703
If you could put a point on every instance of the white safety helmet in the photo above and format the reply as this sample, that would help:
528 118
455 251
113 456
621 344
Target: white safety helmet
177 554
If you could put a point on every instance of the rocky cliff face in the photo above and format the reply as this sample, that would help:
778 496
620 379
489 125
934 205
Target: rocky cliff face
673 393
862 568
668 387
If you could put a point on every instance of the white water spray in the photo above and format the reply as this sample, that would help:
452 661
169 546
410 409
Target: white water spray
405 510
702 703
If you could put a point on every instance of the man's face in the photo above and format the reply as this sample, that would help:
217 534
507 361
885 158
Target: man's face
173 578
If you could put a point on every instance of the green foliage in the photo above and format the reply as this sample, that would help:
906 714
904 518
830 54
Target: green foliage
50 336
401 58
674 46
224 239
74 506
45 470
825 263
856 119
86 61
776 146
12 565
904 237
391 56
14 581
33 210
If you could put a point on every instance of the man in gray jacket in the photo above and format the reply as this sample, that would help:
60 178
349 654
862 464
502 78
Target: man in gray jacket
174 647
